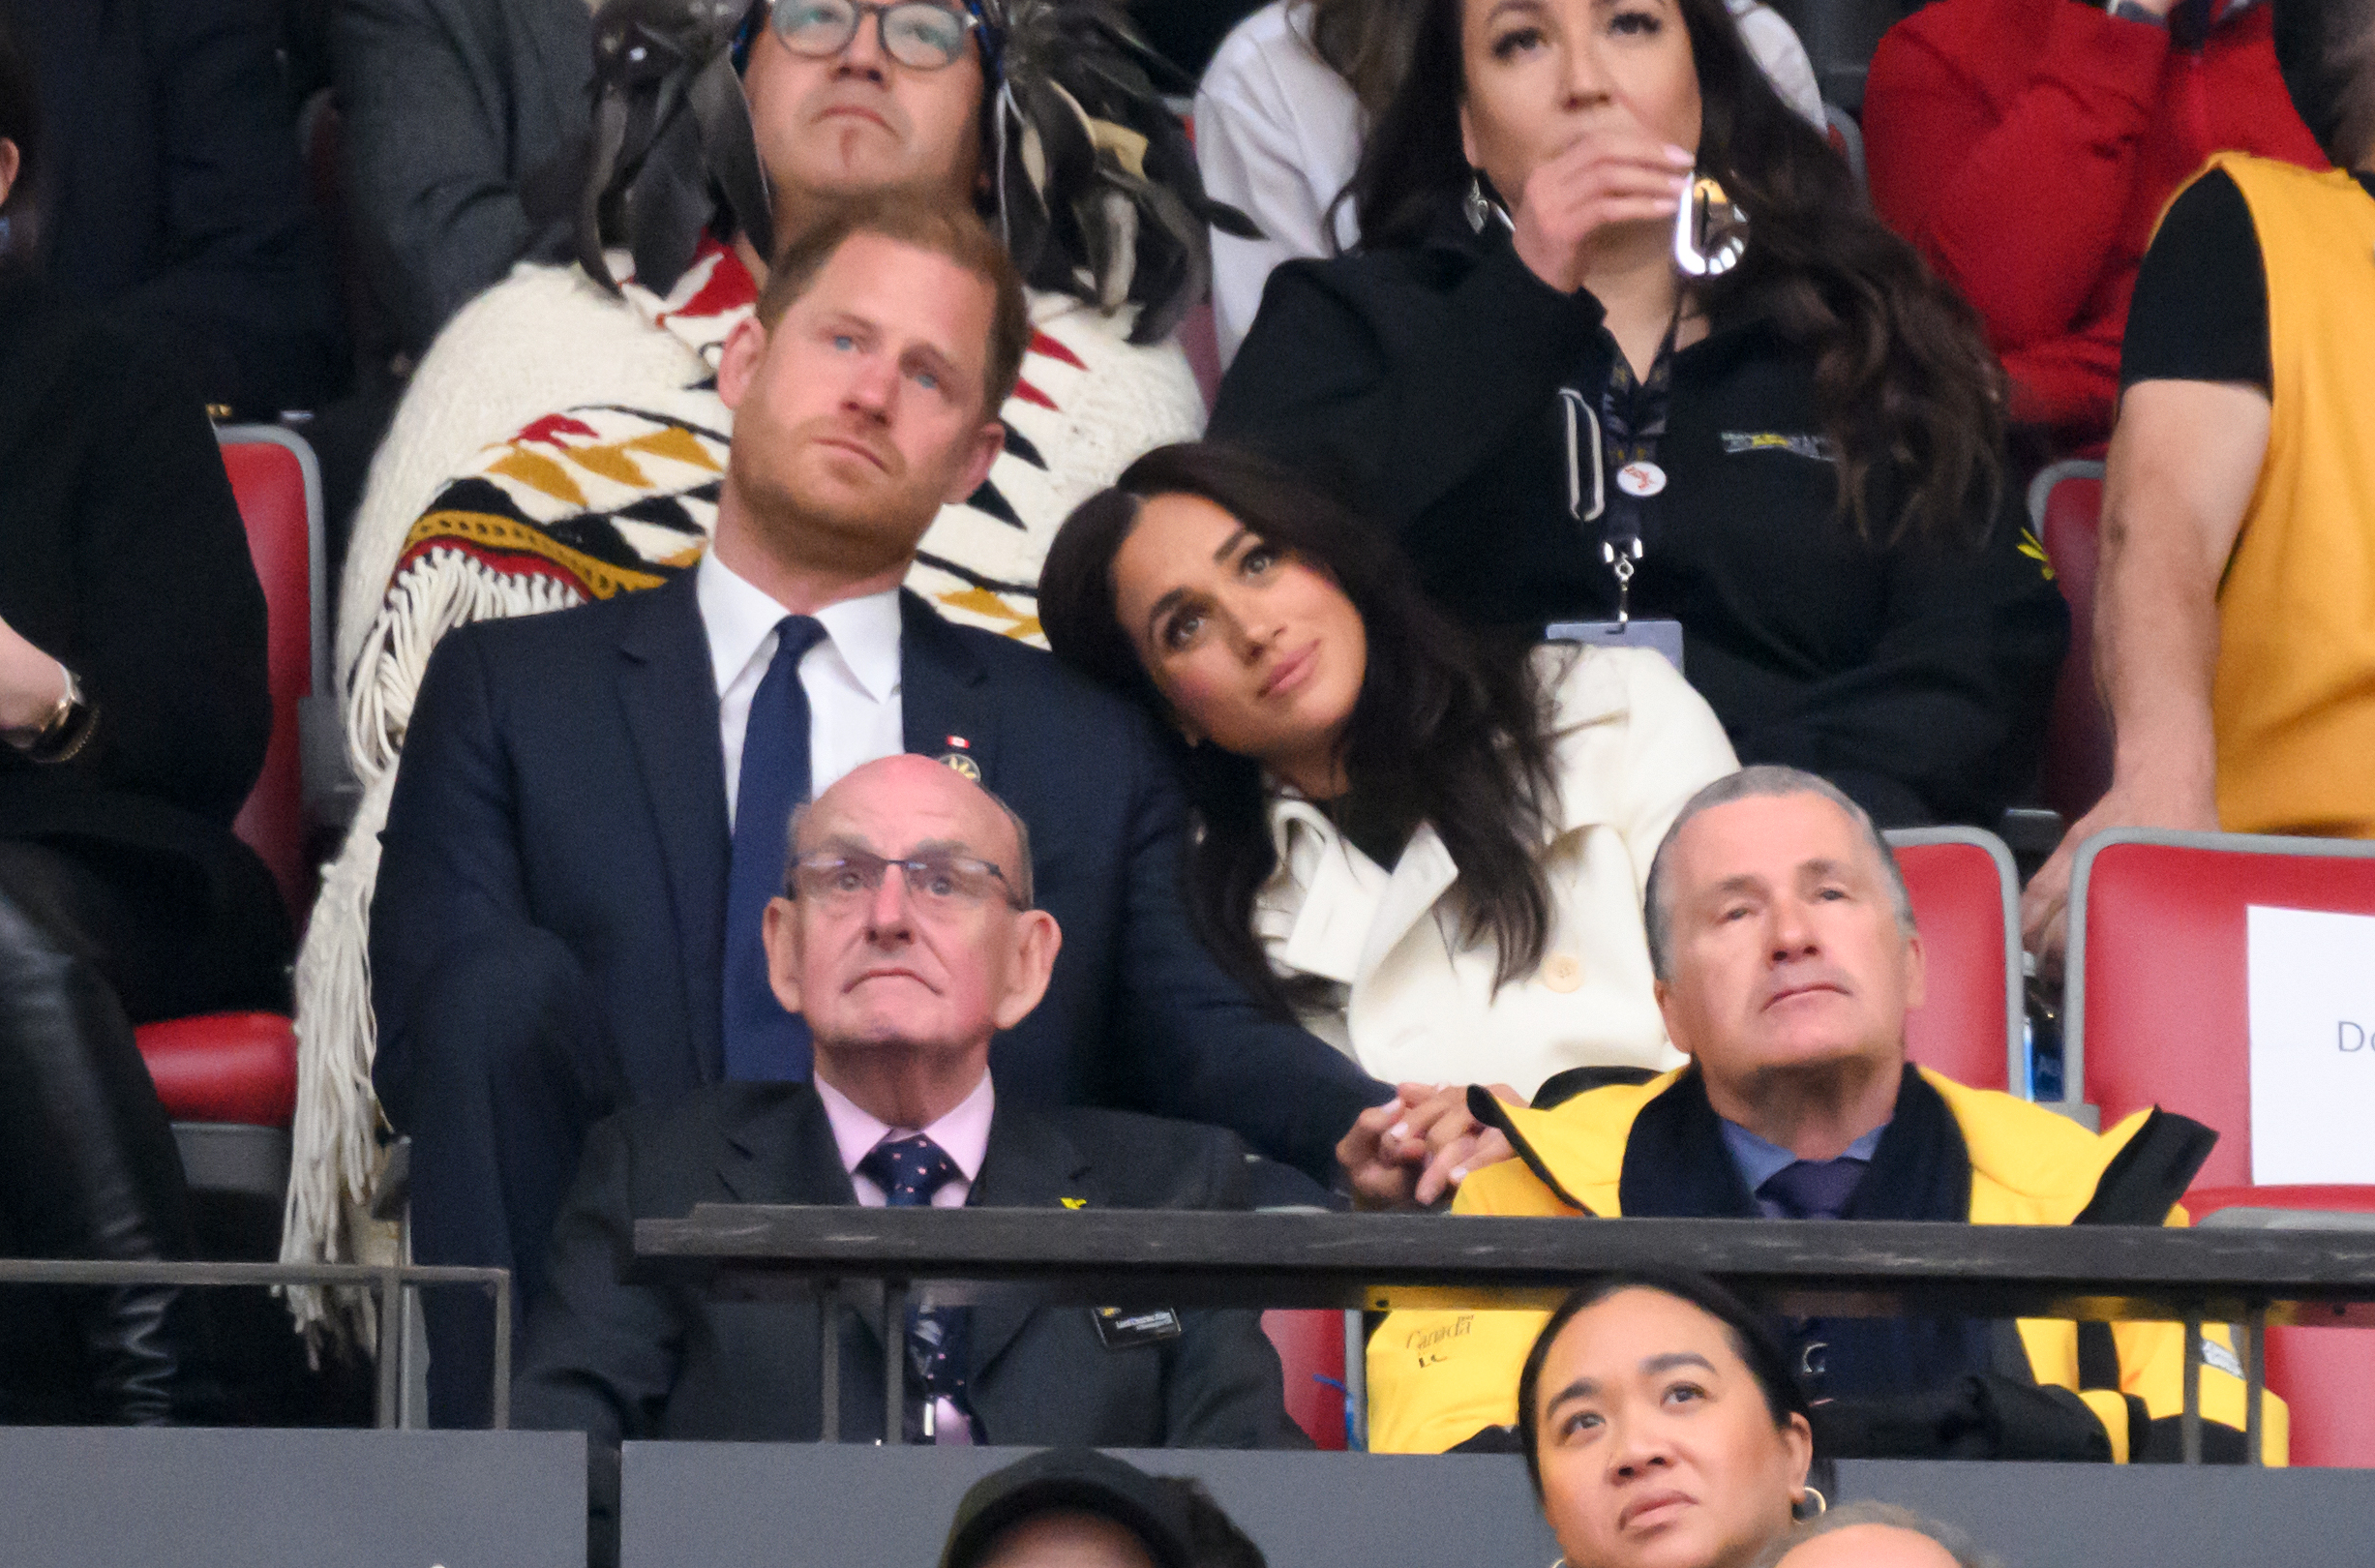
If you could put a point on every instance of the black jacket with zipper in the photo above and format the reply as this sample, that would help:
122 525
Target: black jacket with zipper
1426 382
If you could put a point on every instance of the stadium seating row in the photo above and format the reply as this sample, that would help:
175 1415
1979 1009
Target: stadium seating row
2158 1005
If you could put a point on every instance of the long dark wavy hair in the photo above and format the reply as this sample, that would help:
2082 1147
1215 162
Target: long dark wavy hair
1448 729
1904 377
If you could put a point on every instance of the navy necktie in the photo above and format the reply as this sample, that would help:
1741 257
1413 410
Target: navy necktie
1815 1188
763 1041
909 1170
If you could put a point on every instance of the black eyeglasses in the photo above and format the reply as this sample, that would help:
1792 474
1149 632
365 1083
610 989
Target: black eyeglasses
935 880
921 34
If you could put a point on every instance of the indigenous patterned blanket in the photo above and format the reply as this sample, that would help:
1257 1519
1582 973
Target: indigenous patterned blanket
608 497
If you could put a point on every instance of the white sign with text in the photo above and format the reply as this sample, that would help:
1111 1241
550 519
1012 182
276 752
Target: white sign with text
2312 978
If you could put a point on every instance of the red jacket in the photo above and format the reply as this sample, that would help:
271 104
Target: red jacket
2027 148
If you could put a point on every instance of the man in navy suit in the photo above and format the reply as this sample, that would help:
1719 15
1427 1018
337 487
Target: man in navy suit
590 817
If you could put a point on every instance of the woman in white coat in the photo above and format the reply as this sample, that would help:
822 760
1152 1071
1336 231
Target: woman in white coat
1431 850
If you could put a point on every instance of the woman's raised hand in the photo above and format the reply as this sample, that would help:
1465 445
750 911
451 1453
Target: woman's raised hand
1606 177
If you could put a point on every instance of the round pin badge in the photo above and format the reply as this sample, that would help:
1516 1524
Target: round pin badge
963 765
1640 479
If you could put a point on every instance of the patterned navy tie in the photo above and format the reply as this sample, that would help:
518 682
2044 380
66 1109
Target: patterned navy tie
909 1170
763 1041
1815 1188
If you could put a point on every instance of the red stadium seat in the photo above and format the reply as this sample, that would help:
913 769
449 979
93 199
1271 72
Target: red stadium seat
1969 1026
279 499
1310 1346
2157 1010
229 1080
2065 503
2325 1377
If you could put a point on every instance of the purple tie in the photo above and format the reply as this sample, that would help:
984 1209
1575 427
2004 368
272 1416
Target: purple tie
1814 1189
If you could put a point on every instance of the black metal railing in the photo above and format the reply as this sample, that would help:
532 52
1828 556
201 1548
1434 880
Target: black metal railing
2249 1278
385 1281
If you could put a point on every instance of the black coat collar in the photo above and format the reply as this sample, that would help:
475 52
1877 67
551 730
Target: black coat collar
1676 1165
1736 316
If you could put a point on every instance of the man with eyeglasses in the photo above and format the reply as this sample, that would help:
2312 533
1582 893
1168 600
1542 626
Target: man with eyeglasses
563 444
589 824
905 933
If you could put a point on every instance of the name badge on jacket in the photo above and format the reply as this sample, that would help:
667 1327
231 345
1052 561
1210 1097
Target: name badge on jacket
1121 1329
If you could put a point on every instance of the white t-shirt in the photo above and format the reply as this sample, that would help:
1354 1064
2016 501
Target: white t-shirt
1278 135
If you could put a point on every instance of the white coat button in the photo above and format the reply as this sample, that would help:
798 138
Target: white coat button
1562 972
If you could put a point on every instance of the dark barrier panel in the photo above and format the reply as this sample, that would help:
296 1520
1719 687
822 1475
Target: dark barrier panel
84 1497
734 1505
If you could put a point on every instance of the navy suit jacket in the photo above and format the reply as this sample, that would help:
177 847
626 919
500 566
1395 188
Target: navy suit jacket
562 775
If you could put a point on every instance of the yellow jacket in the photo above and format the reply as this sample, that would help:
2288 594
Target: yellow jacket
1436 1378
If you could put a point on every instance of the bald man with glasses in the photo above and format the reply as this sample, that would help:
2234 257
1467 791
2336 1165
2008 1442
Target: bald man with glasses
906 937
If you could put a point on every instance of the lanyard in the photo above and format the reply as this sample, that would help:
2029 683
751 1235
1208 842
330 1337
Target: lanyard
1627 427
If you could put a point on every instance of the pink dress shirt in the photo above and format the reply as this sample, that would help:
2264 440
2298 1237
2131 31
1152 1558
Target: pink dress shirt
963 1134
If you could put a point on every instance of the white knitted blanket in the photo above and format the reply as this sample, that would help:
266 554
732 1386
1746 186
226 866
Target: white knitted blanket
559 445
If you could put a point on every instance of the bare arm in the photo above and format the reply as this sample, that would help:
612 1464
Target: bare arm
2183 461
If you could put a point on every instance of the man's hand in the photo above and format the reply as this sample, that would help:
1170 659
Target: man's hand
2045 903
1416 1147
1612 176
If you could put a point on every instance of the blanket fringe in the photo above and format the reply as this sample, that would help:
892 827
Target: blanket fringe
335 1157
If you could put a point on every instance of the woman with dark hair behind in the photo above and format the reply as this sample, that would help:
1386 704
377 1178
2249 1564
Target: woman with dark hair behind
134 705
1283 108
1660 1424
1795 451
1429 848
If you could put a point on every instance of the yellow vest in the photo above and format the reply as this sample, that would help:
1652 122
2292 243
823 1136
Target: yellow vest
1437 1377
2292 704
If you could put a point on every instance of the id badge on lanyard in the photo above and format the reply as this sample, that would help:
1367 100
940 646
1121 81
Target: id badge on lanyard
1660 637
1635 480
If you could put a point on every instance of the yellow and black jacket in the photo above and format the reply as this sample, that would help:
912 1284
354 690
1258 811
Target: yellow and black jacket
1439 1378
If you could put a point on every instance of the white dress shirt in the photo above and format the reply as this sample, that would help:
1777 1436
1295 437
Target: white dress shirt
852 675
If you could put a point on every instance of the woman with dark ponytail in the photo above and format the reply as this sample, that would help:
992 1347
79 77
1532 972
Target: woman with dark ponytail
1759 415
1428 848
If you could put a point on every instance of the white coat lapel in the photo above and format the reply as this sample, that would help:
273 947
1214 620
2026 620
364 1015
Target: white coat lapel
1339 888
1423 875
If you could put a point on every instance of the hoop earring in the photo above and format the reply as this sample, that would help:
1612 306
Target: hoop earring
1476 209
1710 231
1822 1505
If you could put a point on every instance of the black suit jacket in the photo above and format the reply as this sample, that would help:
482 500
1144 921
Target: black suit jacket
618 1356
171 193
127 561
563 790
